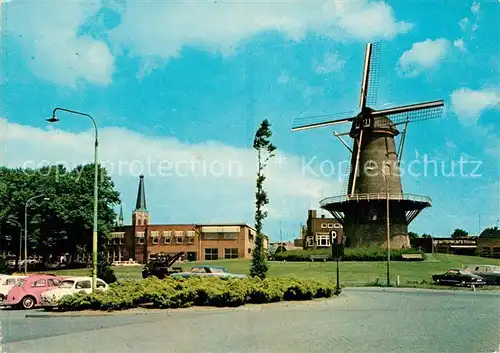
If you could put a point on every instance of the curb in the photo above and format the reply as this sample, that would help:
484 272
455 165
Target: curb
145 311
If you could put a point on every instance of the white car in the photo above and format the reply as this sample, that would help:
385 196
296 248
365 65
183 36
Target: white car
70 286
7 282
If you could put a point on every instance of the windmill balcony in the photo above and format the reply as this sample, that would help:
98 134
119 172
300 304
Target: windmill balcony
374 197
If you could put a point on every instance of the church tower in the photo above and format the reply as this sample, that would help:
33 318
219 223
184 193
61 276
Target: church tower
140 216
120 217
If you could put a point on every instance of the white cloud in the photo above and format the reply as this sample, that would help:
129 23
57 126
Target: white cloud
283 78
423 56
331 63
206 182
159 30
475 8
52 44
459 43
463 23
468 104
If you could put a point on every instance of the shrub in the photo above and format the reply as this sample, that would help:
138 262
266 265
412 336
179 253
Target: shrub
105 272
181 293
350 254
4 268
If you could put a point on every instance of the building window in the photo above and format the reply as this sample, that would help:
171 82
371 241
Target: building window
330 225
154 236
140 240
211 254
324 225
190 236
322 239
211 236
179 234
338 225
166 236
309 241
231 253
249 250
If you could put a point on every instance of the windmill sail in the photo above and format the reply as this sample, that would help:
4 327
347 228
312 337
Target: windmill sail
410 113
366 76
373 77
316 121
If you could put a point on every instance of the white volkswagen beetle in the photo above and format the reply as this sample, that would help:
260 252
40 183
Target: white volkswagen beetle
70 286
7 282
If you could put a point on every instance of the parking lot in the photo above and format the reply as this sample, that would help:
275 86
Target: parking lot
361 320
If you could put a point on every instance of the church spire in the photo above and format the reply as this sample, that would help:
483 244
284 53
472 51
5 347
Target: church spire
140 204
120 217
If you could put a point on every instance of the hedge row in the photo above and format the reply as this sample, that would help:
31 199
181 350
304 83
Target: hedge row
350 254
182 293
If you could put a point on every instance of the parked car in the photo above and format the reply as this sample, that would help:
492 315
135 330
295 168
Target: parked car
207 271
6 284
490 273
27 293
69 286
458 277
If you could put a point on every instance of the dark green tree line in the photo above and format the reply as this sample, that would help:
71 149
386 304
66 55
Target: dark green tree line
63 224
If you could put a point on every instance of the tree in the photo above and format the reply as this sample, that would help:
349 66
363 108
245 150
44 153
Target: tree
104 270
413 238
64 223
265 151
459 234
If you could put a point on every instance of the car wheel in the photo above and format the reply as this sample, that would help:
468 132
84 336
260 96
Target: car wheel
28 302
438 281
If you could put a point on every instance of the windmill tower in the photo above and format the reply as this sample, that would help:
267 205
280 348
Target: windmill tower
373 190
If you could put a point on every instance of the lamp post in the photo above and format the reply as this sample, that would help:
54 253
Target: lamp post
388 227
54 119
26 229
15 222
20 243
388 232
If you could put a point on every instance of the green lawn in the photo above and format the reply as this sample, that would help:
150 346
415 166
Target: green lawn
410 273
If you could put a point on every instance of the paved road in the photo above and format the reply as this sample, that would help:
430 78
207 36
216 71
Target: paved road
361 320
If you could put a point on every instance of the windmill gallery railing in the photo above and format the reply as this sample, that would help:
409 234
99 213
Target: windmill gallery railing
374 197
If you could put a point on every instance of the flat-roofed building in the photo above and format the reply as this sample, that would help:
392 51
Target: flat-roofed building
197 242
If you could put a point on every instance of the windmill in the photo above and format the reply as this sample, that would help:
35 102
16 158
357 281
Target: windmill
373 188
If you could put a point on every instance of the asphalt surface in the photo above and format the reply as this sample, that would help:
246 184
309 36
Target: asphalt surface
361 320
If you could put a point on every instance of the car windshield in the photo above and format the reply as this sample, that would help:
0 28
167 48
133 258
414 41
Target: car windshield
217 270
66 284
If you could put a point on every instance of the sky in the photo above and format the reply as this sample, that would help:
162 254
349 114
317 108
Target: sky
179 88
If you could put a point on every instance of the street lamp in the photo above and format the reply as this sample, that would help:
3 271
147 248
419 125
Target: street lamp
388 227
20 244
26 230
54 119
16 223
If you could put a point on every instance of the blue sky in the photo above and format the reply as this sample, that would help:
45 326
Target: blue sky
177 82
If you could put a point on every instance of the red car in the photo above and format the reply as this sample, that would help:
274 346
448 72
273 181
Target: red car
27 293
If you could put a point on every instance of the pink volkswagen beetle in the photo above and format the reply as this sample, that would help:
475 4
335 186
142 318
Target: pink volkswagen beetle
26 294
